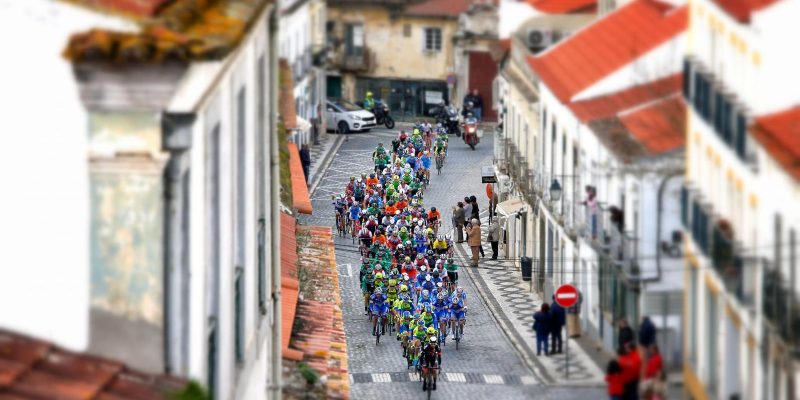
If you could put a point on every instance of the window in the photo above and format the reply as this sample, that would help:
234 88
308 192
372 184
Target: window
712 337
354 39
693 320
261 183
433 39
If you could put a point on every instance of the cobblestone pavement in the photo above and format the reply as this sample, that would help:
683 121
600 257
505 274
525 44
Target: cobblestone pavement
487 364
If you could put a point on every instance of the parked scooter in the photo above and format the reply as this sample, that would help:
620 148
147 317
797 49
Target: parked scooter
382 116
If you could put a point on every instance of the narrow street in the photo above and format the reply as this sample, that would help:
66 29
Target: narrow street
487 364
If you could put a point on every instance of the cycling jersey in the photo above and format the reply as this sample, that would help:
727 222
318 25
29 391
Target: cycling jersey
355 211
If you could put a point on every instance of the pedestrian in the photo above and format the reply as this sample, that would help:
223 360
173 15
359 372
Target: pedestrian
614 378
631 363
474 239
558 318
494 237
625 334
541 325
477 103
653 383
574 318
305 160
467 212
460 220
476 212
647 333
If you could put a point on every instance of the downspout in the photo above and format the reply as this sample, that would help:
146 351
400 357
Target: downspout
275 227
660 211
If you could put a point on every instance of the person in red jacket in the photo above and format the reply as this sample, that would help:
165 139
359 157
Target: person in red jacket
653 383
614 378
631 364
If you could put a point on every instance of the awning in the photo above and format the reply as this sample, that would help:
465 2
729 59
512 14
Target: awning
301 200
510 207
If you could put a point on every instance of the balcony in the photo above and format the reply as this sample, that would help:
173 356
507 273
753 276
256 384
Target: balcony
357 61
781 308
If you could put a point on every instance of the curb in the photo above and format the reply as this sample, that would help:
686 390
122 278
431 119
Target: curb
325 163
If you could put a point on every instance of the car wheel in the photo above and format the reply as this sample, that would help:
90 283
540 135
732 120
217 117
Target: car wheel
343 127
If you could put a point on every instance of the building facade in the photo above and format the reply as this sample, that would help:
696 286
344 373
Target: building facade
739 205
175 166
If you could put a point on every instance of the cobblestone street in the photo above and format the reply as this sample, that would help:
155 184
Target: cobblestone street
487 364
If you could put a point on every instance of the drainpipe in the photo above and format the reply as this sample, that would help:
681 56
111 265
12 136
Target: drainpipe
176 139
275 227
661 189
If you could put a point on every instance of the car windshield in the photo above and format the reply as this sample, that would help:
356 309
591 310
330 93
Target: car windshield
346 105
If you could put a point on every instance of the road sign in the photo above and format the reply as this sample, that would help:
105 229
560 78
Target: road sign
566 295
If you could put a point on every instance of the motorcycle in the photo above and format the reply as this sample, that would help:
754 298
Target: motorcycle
471 131
382 116
451 122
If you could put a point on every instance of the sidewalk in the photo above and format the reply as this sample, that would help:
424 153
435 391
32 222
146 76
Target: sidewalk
501 285
321 154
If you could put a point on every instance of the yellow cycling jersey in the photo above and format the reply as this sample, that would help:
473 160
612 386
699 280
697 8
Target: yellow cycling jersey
440 245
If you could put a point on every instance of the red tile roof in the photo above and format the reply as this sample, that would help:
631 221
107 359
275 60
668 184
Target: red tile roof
779 133
301 200
439 8
658 126
290 285
564 6
742 10
138 8
609 105
607 45
286 95
322 338
33 369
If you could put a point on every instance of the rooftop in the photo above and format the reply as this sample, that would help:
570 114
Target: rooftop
611 104
564 6
607 45
439 8
301 200
659 125
779 133
290 285
180 30
34 369
742 10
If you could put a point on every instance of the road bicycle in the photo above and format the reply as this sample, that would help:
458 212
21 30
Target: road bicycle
428 378
439 163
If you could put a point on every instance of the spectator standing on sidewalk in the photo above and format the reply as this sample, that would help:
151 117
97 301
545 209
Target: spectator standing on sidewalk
494 237
558 319
460 220
467 212
631 364
305 160
475 210
614 378
474 239
625 334
653 385
541 325
647 333
574 318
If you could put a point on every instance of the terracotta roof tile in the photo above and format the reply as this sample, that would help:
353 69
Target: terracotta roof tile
658 126
564 6
137 8
742 10
286 95
31 368
301 200
290 287
779 133
439 8
609 105
607 45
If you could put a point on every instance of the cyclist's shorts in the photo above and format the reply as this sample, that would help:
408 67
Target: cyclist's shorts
458 314
442 314
382 309
453 276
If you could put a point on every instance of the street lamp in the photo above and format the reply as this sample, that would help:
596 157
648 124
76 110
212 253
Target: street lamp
555 190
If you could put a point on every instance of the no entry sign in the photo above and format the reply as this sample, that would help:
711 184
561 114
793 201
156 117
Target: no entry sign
566 295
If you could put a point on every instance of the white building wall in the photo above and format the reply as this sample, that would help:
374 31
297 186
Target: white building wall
45 174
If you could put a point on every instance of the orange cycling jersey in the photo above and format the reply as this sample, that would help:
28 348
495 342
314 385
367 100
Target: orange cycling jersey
372 181
401 205
434 215
379 239
390 210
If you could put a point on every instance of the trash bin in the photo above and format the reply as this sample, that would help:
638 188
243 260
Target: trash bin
526 264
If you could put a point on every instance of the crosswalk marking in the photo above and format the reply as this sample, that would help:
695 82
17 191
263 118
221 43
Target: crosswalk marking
494 379
412 376
528 380
382 378
455 377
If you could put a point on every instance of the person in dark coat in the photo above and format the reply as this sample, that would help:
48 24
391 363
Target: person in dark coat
476 212
647 332
305 159
541 325
626 334
558 319
460 220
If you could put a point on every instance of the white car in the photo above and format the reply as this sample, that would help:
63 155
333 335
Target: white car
343 116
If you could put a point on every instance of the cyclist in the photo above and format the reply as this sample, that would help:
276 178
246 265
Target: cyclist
358 191
433 219
379 306
440 245
431 359
452 271
367 287
441 309
426 163
458 308
355 212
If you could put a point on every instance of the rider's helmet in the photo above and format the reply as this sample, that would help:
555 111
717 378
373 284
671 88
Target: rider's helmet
358 180
406 314
434 339
399 245
372 218
439 285
397 212
426 293
431 330
378 290
419 256
408 259
460 290
423 268
404 288
433 209
435 273
408 243
379 275
430 253
442 257
369 94
372 175
447 237
352 178
427 278
419 222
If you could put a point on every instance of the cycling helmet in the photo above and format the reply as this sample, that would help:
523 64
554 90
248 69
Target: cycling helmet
460 290
426 293
430 253
431 330
397 212
419 256
408 259
378 290
407 314
358 180
379 275
372 175
352 178
427 278
399 245
423 268
404 288
440 296
433 208
433 339
436 273
439 285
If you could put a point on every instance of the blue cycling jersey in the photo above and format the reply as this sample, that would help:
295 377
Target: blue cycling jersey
354 212
426 162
